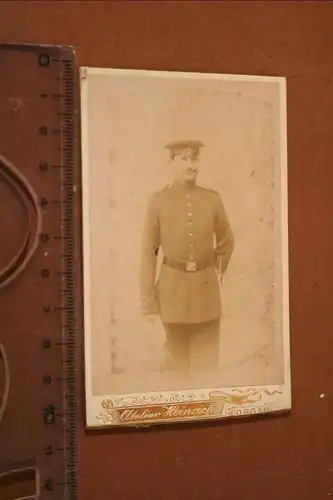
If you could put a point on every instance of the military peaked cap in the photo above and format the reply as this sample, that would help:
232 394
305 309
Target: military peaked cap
193 145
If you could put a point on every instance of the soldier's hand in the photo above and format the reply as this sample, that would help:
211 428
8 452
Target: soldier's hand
150 317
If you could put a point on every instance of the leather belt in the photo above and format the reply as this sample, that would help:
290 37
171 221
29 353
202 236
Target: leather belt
189 266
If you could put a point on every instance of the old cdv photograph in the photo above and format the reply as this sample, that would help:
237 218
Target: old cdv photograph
185 246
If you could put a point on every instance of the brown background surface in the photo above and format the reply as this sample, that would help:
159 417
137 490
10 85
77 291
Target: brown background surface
288 457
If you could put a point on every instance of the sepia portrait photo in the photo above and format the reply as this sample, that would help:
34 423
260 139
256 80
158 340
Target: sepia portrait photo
185 246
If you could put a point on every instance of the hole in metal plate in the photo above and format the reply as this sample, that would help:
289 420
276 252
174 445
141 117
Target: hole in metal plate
20 484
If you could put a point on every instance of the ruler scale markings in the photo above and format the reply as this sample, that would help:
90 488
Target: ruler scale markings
64 416
18 62
71 320
57 415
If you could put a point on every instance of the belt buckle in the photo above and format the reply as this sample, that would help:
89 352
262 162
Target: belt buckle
191 266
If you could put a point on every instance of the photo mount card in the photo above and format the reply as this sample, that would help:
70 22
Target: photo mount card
185 246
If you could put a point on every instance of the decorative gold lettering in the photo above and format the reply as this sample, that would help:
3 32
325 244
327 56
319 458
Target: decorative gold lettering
239 411
164 412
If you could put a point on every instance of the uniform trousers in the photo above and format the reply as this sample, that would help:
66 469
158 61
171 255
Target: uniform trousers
192 347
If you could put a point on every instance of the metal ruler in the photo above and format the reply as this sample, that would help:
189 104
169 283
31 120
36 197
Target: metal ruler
38 309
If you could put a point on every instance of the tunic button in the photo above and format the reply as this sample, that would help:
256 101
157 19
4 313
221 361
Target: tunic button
191 234
187 195
190 214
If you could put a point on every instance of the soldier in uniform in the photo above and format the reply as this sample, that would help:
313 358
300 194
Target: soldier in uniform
190 225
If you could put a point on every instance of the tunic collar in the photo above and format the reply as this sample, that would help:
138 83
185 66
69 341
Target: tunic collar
183 187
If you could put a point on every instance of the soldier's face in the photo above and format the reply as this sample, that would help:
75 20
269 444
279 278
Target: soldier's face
186 166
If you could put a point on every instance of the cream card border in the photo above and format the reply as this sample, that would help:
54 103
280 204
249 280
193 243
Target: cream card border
182 406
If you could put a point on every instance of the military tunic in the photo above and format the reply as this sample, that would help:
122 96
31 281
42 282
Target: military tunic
190 224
